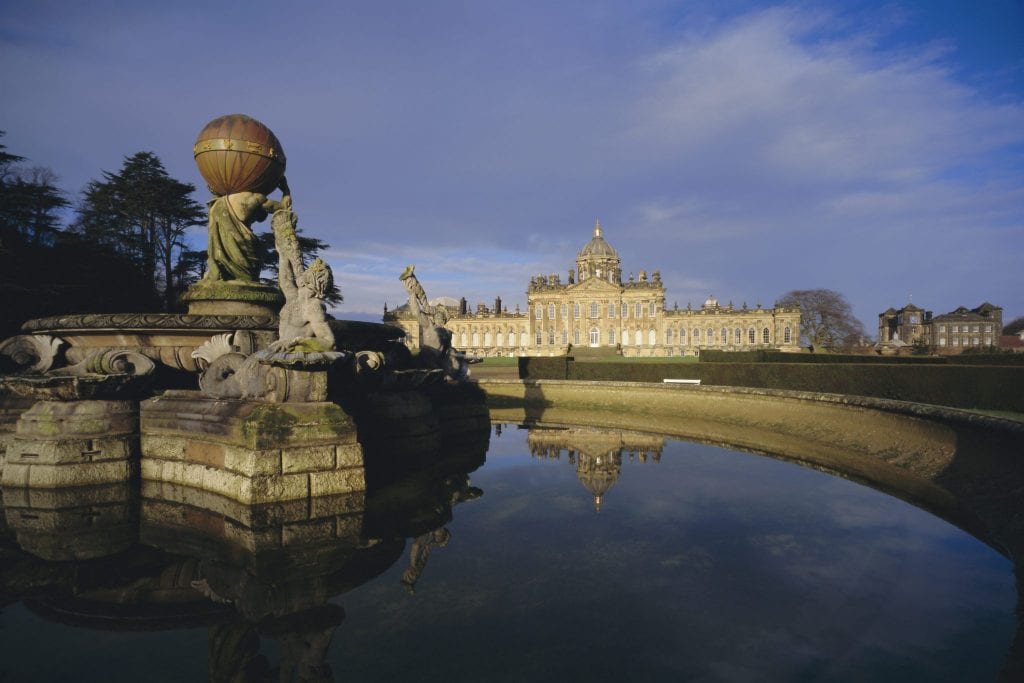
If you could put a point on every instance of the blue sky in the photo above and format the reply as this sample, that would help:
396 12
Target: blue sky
744 149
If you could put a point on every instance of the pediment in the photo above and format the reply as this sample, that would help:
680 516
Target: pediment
594 285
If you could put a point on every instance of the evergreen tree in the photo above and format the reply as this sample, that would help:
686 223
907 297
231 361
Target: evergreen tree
142 214
30 202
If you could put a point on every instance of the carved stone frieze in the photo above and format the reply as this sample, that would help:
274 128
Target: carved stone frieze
158 321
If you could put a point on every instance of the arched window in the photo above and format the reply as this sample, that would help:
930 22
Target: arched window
565 337
638 310
499 339
651 307
595 336
625 337
551 311
751 338
765 336
511 338
522 338
725 336
738 336
551 337
540 337
576 336
682 335
639 338
787 336
476 339
487 339
462 339
710 339
611 310
668 337
652 338
593 309
576 310
611 337
625 311
538 311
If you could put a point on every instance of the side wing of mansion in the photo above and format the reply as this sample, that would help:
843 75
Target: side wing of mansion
595 308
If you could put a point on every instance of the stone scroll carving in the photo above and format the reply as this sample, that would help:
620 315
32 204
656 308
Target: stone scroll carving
30 353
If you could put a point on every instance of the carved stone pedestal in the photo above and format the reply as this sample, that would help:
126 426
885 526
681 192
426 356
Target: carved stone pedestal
59 444
232 297
11 408
250 451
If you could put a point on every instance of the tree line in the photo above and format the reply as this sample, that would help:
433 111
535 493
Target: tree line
123 248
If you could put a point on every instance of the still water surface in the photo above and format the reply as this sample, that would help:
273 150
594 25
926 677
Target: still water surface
696 563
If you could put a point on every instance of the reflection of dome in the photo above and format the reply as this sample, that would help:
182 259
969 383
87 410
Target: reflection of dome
598 473
597 247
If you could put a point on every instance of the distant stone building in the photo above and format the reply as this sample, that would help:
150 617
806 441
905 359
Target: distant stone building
948 333
595 308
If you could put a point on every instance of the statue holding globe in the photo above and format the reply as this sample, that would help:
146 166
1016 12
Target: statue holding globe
242 162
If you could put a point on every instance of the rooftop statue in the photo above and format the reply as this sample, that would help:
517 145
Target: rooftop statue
435 339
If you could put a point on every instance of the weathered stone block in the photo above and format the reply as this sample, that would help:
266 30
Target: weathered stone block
307 459
29 450
307 532
282 487
337 481
67 419
343 504
57 476
350 455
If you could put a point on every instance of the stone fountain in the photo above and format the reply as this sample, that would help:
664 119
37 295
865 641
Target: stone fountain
254 394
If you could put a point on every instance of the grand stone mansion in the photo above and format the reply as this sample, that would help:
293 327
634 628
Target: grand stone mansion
595 308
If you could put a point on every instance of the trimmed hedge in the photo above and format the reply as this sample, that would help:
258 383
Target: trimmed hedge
541 367
986 359
960 386
771 356
768 356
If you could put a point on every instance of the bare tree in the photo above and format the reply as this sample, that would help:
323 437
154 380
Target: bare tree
826 319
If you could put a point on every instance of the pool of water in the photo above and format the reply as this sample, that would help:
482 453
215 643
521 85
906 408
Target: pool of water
573 554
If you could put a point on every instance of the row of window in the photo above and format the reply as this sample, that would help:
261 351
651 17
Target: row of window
956 329
966 341
594 310
671 337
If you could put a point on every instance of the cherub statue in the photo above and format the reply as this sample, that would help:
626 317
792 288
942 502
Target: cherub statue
231 253
302 322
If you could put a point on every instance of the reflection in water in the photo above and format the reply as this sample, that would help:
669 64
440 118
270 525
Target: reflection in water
597 454
751 569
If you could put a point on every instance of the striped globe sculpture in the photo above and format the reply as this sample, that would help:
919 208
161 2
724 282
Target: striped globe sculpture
237 153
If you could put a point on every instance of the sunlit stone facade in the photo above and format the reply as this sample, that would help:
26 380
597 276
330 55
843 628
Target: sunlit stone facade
595 308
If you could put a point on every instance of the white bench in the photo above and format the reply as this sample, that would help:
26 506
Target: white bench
681 381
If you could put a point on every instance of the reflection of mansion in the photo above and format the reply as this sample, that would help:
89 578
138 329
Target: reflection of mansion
596 454
595 308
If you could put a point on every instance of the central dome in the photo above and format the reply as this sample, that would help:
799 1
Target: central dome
597 246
